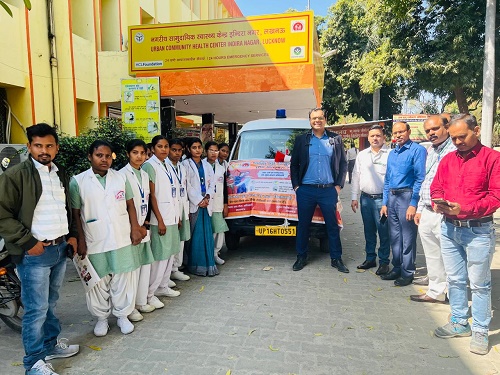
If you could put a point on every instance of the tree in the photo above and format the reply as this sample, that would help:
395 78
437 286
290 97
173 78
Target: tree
362 64
27 4
441 43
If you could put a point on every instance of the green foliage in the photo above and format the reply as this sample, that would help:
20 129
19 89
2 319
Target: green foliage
73 151
27 4
363 62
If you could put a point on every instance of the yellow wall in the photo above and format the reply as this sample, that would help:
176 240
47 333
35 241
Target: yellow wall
91 55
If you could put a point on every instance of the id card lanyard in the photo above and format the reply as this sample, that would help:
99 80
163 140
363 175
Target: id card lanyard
178 175
201 174
169 175
144 206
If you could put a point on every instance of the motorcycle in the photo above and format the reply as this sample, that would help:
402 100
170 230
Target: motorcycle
11 307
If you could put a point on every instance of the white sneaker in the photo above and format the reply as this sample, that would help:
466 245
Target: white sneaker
101 328
41 368
178 275
62 350
171 284
156 303
135 316
125 326
219 260
146 308
167 292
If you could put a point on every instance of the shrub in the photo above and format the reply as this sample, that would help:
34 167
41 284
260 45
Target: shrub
73 151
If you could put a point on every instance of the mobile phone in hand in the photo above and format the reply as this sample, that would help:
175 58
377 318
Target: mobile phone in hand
70 252
383 219
440 201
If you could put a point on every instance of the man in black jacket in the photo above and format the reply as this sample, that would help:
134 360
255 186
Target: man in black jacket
35 221
318 170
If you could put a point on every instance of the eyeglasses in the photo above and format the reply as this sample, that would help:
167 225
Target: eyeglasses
321 118
214 151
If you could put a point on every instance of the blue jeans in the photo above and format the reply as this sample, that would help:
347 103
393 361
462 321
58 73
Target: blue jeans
308 197
467 254
403 233
41 277
370 212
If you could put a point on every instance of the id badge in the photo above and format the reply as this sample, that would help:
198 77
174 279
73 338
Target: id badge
144 209
174 192
182 192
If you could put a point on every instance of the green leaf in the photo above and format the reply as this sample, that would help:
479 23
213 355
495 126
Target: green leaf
27 4
6 7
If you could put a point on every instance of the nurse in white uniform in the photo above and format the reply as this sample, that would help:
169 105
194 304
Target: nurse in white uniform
139 181
103 207
165 218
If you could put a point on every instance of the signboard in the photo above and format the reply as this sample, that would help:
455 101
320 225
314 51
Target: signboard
416 123
235 42
262 188
141 107
346 132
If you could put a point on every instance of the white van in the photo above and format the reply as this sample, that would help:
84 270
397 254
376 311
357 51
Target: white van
261 198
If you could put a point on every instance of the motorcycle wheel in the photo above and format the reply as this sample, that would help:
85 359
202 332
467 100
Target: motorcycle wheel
15 323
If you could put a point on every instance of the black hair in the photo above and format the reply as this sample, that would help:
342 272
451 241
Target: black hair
98 143
133 143
210 143
176 141
317 109
402 122
377 127
189 142
156 139
41 130
149 146
224 144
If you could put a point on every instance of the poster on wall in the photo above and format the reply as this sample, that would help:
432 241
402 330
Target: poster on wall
416 123
141 106
262 188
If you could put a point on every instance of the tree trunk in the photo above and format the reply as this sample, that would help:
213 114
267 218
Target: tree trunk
463 107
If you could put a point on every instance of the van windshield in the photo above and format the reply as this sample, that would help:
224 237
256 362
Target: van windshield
263 144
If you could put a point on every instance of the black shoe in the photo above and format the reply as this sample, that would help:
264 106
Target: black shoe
300 263
367 265
338 264
393 275
403 281
382 269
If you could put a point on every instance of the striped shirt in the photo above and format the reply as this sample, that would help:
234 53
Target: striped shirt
434 156
50 220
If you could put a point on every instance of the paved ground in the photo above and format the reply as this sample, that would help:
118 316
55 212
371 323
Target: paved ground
251 321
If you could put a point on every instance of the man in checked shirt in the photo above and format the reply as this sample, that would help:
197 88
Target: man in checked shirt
428 221
466 190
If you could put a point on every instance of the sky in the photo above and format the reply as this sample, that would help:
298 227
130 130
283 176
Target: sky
258 7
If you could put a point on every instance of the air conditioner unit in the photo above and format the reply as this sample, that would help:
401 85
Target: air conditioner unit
14 153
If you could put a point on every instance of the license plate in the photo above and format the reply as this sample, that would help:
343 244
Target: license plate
275 231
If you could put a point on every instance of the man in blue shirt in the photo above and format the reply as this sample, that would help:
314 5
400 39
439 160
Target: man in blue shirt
318 170
404 177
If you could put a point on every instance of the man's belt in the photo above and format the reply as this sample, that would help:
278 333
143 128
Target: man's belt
400 191
472 223
320 186
372 196
57 241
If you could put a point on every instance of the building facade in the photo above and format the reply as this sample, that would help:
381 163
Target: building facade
63 60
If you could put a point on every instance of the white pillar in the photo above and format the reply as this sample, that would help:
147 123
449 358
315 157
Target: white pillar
376 105
488 75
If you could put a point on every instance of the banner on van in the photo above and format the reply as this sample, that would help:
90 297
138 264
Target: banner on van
262 188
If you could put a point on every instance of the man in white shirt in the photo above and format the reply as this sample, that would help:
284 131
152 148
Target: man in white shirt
368 178
352 153
428 221
35 233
